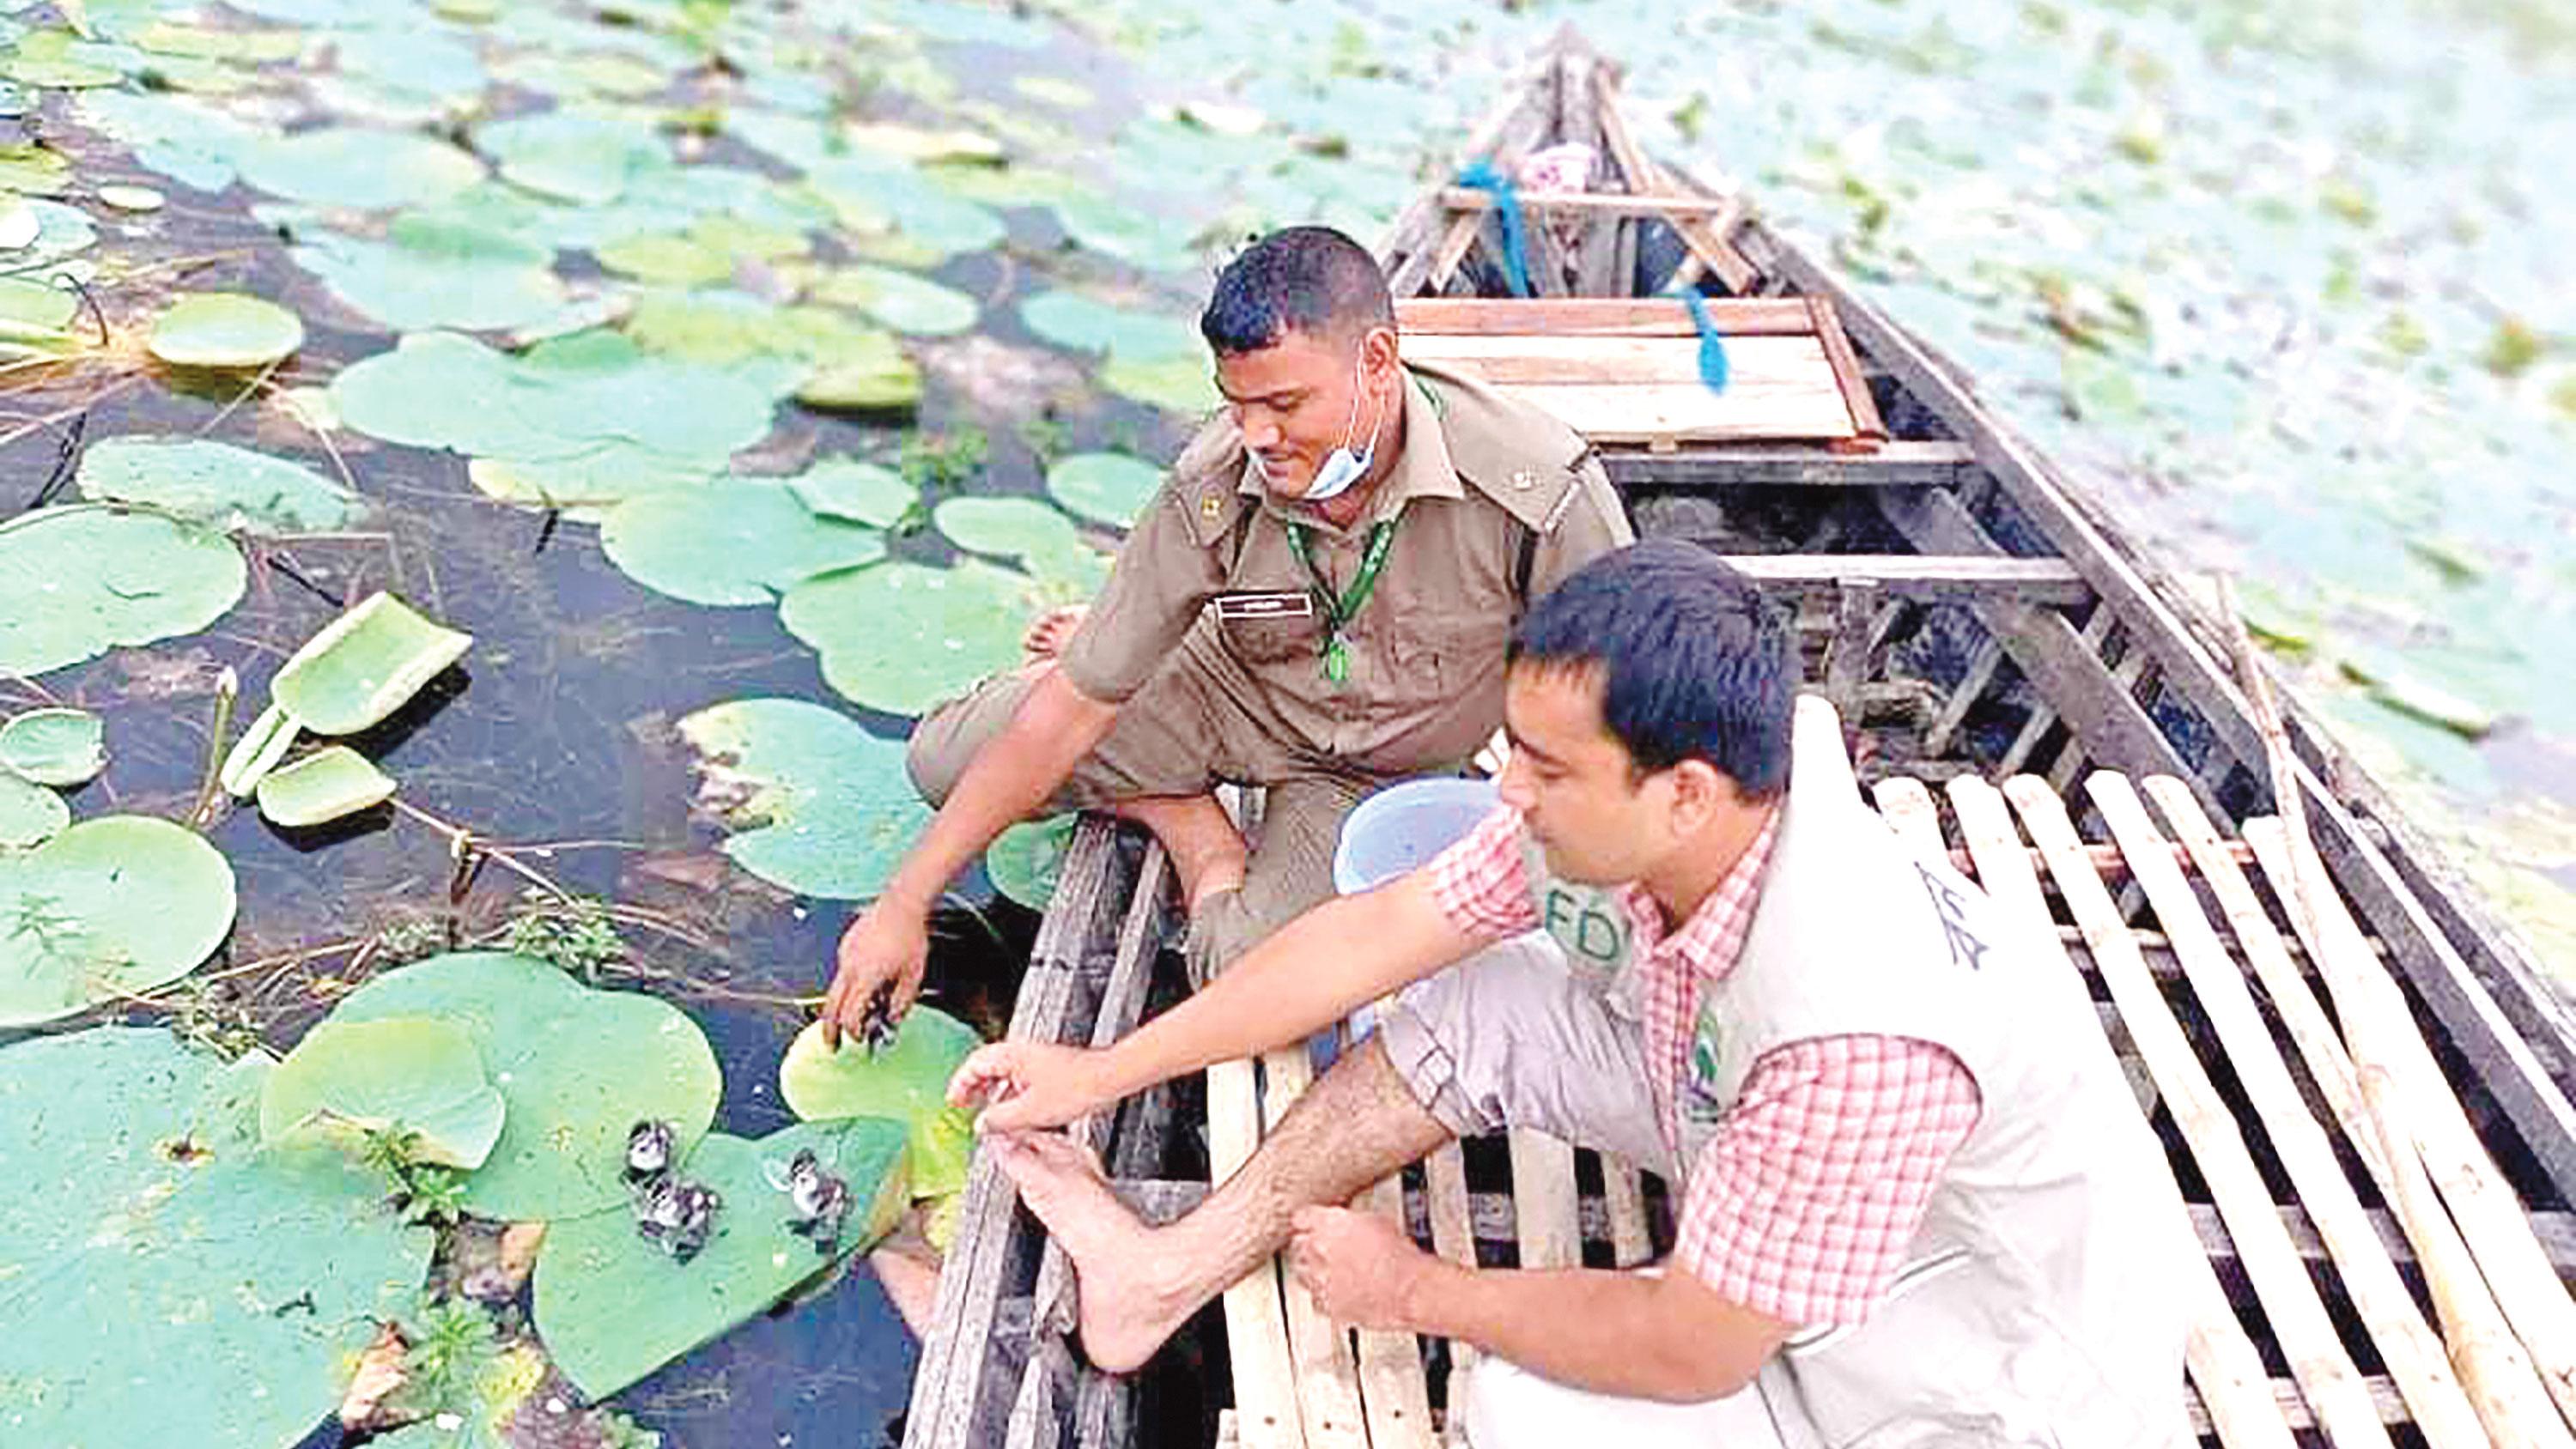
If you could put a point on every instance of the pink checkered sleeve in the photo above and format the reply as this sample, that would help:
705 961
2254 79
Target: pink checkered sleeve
1481 883
1801 1204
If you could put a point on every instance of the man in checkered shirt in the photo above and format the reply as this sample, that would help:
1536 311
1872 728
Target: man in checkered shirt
1916 1205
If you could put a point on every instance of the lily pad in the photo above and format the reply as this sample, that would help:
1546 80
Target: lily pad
901 637
1005 527
434 272
30 814
739 541
364 665
588 484
199 1289
125 197
906 1081
612 1307
54 746
1174 384
818 805
869 493
216 484
572 156
225 329
1024 860
327 785
110 907
1086 324
862 371
899 299
358 169
32 311
577 1067
80 580
403 1075
258 751
1109 488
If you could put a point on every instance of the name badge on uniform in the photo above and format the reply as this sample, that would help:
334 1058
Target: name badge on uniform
1286 604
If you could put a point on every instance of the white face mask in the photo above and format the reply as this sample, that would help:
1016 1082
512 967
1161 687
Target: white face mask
1341 468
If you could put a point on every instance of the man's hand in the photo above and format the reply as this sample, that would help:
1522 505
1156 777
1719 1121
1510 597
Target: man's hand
883 953
1027 1085
1361 1270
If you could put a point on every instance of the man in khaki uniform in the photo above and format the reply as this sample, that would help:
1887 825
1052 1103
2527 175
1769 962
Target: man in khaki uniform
1317 602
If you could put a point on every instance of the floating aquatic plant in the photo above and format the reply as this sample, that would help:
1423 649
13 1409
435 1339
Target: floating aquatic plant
225 330
901 637
1109 488
30 814
738 541
108 908
364 665
56 746
417 1078
906 1081
1024 860
575 1066
329 784
817 804
217 484
198 1289
81 579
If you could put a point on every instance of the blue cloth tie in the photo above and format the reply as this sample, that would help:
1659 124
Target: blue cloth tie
1712 343
1482 176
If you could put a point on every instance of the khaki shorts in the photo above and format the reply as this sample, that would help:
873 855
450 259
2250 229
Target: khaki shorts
1180 735
1508 1038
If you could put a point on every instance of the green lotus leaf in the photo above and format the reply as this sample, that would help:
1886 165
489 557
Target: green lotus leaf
358 169
34 169
441 390
54 746
572 156
1107 488
676 258
870 197
197 1289
364 665
869 493
434 272
32 311
901 637
900 300
258 751
739 541
864 371
326 785
1024 860
78 581
110 907
416 59
587 485
1117 228
217 484
405 1075
578 1068
131 198
818 805
612 1306
907 1081
30 814
1005 527
1078 323
1178 384
225 329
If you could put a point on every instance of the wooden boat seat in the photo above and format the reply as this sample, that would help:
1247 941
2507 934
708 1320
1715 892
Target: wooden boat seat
1625 372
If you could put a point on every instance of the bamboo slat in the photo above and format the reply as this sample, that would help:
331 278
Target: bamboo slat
1591 318
2477 1222
1394 1394
1453 1232
2217 1352
1623 1198
2317 1358
1256 1319
2407 1345
1319 1350
1543 1194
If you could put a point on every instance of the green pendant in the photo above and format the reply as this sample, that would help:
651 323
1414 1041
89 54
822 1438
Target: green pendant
1337 661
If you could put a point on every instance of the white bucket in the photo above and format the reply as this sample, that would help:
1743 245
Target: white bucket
1404 825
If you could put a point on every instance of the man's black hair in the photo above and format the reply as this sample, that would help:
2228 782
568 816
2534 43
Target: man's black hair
1310 279
1694 663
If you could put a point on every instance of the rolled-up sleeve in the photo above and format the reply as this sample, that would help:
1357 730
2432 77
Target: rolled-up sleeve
1162 579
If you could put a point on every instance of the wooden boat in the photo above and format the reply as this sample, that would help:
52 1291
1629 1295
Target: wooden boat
2361 1080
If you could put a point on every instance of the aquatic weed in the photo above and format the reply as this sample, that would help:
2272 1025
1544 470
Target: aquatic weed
574 933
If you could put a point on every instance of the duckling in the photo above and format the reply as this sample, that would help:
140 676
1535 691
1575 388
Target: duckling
649 1144
877 1026
821 1202
677 1216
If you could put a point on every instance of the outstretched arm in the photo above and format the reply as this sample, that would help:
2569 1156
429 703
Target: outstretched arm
1316 970
888 944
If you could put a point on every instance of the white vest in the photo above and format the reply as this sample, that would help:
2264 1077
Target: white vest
2040 1302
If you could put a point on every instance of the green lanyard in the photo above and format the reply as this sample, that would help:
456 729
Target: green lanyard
1338 612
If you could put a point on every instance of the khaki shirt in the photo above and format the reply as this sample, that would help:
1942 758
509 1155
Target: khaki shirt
1482 477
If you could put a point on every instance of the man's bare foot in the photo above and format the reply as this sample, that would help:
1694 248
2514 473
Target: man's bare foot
1208 853
1126 1307
1049 632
